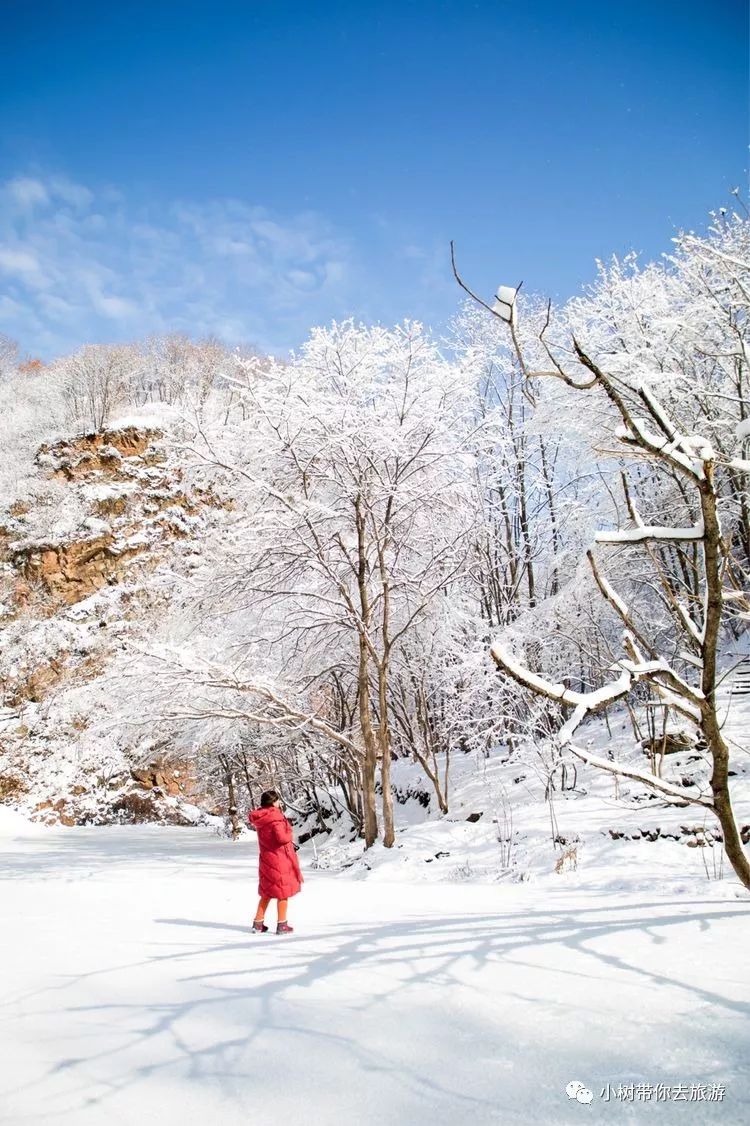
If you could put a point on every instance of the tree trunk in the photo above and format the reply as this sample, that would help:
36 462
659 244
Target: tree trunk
733 847
369 809
711 728
389 835
232 811
433 774
547 476
369 766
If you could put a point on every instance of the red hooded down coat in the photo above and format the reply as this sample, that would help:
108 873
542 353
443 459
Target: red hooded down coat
279 874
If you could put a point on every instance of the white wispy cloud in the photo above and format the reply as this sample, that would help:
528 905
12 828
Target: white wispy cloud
79 265
26 192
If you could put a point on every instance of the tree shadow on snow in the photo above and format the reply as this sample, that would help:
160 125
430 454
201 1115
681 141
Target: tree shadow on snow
271 991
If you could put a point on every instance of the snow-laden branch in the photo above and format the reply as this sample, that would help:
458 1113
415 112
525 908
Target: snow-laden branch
681 695
293 714
636 432
708 247
678 702
192 670
657 411
666 789
647 532
587 703
696 632
634 638
610 593
672 688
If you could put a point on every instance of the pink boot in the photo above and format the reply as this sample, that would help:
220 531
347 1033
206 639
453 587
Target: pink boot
284 928
259 928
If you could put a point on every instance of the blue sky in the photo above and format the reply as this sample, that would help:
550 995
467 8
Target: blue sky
251 169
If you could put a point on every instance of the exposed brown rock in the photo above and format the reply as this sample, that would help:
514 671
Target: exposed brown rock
70 572
137 807
33 684
51 813
80 456
111 506
670 744
174 776
44 577
11 786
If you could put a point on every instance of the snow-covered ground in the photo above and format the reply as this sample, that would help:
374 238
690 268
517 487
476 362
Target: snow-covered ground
133 992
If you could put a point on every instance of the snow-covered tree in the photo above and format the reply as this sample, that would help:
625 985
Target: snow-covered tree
95 382
354 470
664 352
8 355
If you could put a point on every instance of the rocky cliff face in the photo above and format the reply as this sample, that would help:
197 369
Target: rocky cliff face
81 573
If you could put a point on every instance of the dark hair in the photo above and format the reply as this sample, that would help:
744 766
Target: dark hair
268 798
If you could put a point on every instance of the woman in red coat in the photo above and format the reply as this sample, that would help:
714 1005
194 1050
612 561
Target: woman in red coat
279 875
